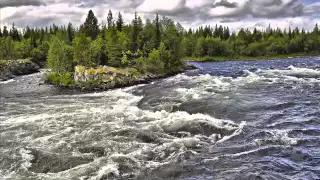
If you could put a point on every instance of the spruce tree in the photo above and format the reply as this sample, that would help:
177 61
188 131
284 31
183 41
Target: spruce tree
135 33
110 19
5 32
0 32
70 31
90 26
42 35
316 29
120 22
157 38
226 33
14 33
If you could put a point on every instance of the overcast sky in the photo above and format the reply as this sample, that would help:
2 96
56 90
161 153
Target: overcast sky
190 13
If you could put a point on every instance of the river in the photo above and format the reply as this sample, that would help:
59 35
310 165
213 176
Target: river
225 120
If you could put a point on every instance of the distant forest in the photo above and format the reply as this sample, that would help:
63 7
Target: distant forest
157 45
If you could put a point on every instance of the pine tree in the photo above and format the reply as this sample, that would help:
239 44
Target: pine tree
120 22
157 39
0 32
110 20
90 26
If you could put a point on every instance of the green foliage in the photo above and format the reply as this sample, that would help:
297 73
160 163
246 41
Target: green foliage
24 48
81 45
65 79
110 20
60 56
120 22
156 47
90 26
154 63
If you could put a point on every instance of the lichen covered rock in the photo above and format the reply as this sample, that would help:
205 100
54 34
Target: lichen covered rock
104 76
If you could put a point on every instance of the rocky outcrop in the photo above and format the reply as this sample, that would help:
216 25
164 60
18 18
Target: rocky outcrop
106 77
11 68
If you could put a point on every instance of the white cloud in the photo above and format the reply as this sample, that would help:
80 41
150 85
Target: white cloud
191 13
163 5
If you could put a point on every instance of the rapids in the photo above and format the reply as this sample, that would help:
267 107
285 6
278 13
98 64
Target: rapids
225 120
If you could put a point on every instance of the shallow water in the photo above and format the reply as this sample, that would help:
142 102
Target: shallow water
226 120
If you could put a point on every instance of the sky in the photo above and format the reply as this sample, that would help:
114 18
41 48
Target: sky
235 14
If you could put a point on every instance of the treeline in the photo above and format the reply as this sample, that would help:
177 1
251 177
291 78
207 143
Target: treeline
153 46
150 46
218 41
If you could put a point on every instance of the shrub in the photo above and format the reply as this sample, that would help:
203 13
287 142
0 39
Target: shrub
60 79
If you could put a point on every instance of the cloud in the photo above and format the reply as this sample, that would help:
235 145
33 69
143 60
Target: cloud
191 13
312 9
226 3
260 9
17 3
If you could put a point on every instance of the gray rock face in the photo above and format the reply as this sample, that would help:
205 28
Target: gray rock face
16 68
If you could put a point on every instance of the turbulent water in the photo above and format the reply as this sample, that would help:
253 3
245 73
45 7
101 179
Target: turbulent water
226 120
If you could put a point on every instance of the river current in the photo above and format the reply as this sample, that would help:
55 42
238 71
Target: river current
225 120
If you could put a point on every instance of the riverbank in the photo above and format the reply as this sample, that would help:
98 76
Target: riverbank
247 58
12 68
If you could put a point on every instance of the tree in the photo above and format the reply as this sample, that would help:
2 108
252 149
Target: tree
157 38
90 26
226 33
70 31
5 32
9 48
135 33
110 20
120 22
81 45
60 56
146 43
14 33
95 51
316 29
24 48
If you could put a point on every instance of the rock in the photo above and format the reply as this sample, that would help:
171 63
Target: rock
14 68
105 77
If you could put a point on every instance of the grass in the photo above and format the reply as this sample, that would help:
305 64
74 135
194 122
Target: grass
245 58
60 79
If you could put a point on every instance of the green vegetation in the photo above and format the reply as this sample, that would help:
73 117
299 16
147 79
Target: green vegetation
244 58
60 79
217 44
153 47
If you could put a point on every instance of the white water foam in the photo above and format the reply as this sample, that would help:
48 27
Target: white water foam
8 81
103 119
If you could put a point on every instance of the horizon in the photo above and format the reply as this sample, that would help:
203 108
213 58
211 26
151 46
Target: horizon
212 26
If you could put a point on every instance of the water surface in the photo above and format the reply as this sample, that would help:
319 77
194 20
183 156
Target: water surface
226 120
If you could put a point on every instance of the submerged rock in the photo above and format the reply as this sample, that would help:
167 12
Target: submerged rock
43 162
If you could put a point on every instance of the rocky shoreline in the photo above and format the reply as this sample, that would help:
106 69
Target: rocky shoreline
12 68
